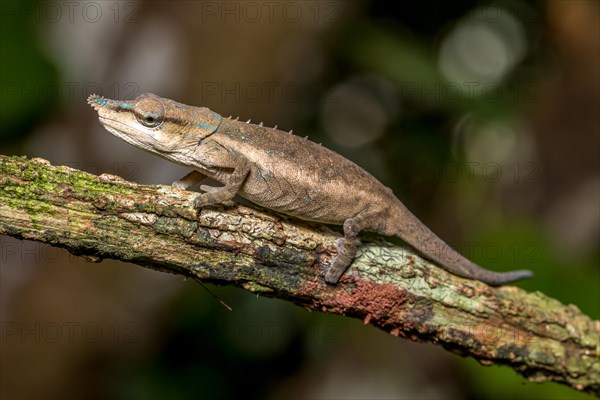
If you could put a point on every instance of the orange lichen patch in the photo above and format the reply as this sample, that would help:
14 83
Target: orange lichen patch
372 301
373 298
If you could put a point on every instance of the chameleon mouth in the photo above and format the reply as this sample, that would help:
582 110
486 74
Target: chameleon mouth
140 138
117 128
106 121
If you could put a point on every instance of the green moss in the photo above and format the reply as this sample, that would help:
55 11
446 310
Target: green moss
175 226
47 179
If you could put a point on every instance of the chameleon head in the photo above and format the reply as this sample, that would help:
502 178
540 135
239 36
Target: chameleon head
157 125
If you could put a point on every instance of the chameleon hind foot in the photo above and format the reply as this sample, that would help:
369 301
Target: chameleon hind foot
346 249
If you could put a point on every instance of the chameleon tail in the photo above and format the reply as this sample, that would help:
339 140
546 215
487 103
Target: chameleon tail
416 234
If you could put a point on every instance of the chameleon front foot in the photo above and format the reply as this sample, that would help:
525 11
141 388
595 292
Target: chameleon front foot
209 199
205 199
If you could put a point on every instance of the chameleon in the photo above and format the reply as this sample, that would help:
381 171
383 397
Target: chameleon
282 172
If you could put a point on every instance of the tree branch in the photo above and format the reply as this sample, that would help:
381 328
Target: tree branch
388 286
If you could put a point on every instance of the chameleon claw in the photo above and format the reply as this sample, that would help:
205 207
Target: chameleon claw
209 189
275 127
248 121
198 203
179 185
291 131
261 124
237 118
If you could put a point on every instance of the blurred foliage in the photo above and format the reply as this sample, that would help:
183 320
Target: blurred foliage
29 79
525 245
226 355
503 383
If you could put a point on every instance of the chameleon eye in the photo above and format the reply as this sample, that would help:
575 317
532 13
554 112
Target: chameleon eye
150 120
149 112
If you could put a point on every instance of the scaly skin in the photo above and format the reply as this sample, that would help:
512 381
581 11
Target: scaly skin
282 172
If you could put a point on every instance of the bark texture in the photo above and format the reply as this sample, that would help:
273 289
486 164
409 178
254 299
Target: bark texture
387 286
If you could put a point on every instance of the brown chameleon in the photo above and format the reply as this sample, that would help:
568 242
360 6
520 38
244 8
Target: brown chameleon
282 172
